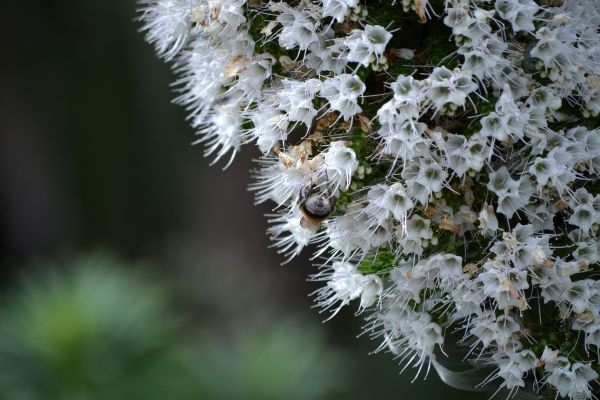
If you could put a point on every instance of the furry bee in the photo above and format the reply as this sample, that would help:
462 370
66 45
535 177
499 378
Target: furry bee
316 206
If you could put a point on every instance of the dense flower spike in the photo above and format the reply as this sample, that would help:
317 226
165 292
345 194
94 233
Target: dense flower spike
451 188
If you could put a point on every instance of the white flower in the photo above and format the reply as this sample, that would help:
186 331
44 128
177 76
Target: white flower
544 98
222 134
410 334
296 99
571 380
468 298
386 201
490 329
449 87
423 179
418 228
340 163
407 96
543 169
343 237
344 284
405 141
549 356
338 9
288 234
548 45
578 295
299 27
342 93
513 364
397 202
270 127
326 54
167 23
512 195
459 19
584 216
501 182
505 285
281 179
520 13
366 46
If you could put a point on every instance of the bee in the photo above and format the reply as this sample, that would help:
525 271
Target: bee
316 206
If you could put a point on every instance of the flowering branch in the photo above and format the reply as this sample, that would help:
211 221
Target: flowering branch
443 156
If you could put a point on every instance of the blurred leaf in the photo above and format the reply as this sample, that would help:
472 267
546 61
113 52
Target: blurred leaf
285 360
95 329
92 330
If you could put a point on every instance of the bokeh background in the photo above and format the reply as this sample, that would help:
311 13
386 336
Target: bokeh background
130 269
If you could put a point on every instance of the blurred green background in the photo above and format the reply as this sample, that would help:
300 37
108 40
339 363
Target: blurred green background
130 269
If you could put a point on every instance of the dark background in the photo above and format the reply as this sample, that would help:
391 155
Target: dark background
93 156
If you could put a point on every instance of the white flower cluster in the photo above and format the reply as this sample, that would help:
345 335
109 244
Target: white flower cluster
453 186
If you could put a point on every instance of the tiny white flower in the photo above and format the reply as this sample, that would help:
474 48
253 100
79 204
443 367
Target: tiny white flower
449 87
368 45
340 164
343 92
338 9
584 217
344 284
296 99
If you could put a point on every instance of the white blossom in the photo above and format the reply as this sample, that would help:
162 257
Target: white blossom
456 166
340 164
367 45
342 93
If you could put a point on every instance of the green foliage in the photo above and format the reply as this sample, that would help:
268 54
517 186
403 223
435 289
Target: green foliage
289 362
387 15
92 331
439 46
99 329
379 263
